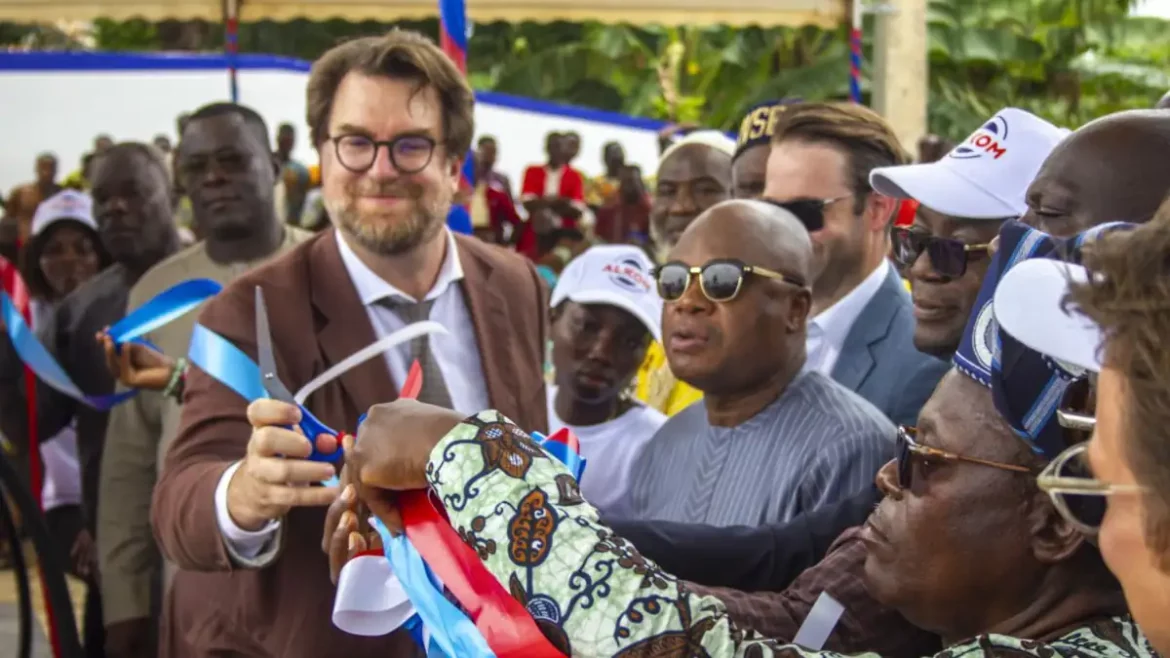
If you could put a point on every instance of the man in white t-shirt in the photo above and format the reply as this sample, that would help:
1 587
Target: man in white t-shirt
605 313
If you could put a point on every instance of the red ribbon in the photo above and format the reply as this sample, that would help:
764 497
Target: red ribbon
503 621
18 292
907 209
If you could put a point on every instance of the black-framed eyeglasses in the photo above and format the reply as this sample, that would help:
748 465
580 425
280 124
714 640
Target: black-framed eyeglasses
409 154
810 212
948 257
907 449
720 279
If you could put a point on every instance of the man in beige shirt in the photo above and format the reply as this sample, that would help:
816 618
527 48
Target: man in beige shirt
225 164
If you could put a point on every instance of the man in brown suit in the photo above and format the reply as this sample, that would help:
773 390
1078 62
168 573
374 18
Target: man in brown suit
392 119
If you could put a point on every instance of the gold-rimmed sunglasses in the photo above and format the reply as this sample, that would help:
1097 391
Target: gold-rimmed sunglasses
720 279
907 448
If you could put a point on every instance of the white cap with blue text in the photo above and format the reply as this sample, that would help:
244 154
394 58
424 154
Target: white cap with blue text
66 204
618 275
986 176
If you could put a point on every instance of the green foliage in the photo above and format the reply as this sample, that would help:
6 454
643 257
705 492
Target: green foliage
1067 60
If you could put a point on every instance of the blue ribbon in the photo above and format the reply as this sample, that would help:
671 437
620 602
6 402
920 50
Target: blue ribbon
162 309
220 358
157 312
438 625
230 366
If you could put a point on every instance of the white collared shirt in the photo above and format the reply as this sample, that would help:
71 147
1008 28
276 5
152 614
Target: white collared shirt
456 354
829 329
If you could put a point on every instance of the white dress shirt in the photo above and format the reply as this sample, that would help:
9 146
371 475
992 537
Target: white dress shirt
829 329
457 356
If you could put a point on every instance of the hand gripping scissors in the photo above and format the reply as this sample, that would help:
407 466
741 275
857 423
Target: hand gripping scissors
310 425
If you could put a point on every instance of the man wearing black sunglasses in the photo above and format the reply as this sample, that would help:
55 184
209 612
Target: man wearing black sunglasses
963 199
862 324
736 301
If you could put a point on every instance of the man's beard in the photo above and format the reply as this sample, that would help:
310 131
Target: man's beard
658 240
384 233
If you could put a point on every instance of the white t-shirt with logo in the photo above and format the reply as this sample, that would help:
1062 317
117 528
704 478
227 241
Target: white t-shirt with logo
610 450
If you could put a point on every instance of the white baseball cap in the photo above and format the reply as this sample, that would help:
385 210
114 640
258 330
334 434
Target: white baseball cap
1029 305
66 204
618 275
986 176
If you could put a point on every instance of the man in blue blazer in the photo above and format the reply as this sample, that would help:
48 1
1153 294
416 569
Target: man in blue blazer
861 331
878 359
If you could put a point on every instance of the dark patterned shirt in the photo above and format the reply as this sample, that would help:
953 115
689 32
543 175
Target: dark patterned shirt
591 592
866 625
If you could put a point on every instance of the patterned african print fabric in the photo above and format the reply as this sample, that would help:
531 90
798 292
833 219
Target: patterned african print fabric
593 595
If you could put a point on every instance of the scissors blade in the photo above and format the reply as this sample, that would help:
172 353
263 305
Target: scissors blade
264 354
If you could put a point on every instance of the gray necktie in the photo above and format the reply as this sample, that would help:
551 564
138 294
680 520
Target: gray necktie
434 388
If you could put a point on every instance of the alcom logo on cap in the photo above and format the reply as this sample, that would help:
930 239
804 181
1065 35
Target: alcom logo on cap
628 273
988 141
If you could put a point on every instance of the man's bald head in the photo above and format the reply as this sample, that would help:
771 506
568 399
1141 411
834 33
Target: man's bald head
1112 169
756 232
753 339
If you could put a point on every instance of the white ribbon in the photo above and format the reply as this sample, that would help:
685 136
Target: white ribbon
405 334
819 623
370 601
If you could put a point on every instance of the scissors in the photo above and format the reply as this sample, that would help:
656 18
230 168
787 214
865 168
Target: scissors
310 425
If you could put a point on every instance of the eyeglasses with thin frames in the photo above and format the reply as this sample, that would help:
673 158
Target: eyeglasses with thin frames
1069 475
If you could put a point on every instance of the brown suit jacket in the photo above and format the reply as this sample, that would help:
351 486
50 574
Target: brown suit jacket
284 609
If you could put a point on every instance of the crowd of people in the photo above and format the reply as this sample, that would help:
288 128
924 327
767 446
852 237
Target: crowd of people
798 364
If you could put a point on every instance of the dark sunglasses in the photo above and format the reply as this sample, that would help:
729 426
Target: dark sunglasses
720 279
906 449
810 212
948 257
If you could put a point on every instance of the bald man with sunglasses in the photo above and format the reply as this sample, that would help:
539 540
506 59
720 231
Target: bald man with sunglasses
771 439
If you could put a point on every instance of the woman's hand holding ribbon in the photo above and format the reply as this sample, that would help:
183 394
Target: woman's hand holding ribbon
273 476
136 365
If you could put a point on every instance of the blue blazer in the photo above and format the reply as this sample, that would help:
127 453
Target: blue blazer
879 361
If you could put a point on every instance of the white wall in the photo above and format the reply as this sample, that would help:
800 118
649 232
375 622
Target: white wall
63 110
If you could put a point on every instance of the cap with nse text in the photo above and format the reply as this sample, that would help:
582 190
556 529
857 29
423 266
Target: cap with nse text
759 124
986 176
618 275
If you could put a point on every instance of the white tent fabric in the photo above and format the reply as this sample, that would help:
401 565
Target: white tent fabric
669 12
